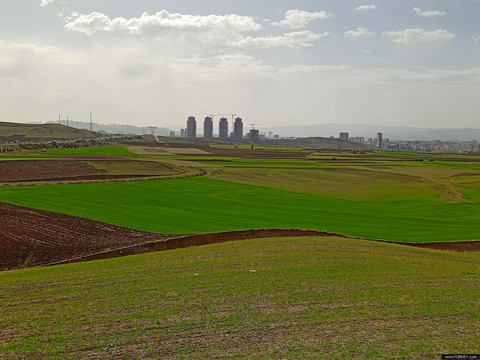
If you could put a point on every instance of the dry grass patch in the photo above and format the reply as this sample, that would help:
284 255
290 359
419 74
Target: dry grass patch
358 184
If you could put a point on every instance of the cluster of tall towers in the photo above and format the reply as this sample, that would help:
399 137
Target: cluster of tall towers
222 128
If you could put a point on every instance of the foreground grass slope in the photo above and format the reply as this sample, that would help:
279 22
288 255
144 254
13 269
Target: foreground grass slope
203 205
299 298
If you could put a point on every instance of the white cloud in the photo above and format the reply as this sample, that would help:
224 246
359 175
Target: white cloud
475 38
359 33
410 37
366 7
210 30
298 19
308 69
159 23
45 3
429 13
295 40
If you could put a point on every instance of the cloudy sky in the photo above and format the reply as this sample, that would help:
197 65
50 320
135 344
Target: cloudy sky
272 62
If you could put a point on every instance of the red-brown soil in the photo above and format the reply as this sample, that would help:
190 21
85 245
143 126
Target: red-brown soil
48 237
19 170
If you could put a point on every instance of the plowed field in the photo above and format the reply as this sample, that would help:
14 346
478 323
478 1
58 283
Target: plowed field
20 170
34 237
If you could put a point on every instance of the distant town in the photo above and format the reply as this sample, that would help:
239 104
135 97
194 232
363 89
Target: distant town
231 128
378 142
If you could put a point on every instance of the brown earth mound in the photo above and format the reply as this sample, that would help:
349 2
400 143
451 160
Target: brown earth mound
18 170
34 237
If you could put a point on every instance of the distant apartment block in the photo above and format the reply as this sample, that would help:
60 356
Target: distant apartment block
208 128
191 127
223 128
172 133
238 129
344 135
379 140
359 139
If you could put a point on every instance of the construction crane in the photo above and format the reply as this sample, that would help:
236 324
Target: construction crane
253 126
232 115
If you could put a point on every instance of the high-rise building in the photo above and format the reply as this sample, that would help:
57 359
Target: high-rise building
172 133
182 133
238 129
344 135
223 128
191 127
208 128
379 140
254 135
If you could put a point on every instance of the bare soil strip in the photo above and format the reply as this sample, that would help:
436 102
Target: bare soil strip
213 238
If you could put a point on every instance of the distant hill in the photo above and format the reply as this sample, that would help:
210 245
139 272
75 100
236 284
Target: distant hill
15 131
117 129
370 131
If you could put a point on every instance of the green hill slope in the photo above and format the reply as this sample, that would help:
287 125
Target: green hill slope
298 298
42 131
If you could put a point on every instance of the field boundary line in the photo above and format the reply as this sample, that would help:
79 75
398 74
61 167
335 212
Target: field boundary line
221 237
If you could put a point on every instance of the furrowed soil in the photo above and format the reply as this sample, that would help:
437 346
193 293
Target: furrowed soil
31 237
21 170
90 169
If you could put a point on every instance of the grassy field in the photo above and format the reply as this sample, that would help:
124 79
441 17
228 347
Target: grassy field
340 184
203 205
115 150
292 298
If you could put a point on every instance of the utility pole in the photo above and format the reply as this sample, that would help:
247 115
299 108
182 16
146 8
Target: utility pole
152 130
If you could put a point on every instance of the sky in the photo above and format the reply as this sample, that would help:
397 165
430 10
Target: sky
273 63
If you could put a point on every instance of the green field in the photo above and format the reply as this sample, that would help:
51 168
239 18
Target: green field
114 150
288 298
203 205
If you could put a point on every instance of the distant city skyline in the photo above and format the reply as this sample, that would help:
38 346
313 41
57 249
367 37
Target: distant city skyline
278 63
